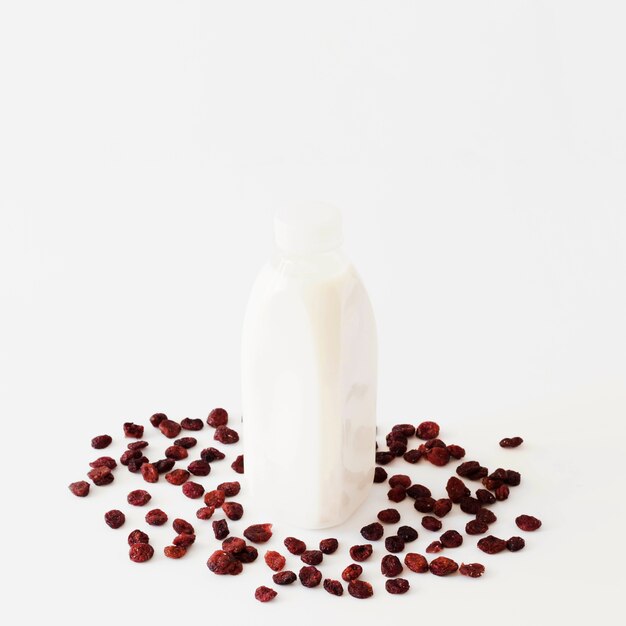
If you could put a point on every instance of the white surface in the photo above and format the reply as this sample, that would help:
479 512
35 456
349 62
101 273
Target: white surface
477 151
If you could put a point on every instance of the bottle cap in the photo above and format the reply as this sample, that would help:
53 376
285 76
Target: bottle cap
308 228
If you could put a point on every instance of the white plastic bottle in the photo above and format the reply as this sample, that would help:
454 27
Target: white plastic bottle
309 370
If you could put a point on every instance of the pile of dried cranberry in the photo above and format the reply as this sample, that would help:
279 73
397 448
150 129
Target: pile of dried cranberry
235 552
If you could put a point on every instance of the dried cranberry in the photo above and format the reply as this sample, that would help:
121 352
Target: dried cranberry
412 456
513 478
360 589
473 570
492 483
442 507
284 578
511 442
275 561
456 452
101 476
138 497
191 424
472 470
258 533
114 518
214 498
232 510
434 443
334 587
491 544
476 527
222 563
178 453
237 464
295 546
397 448
211 454
80 488
101 441
233 545
382 458
438 456
140 552
205 512
137 445
186 442
182 526
352 572
407 533
150 473
217 417
527 523
380 475
470 505
424 505
443 566
397 586
329 546
389 516
361 552
164 465
156 517
373 532
248 555
394 543
431 523
486 516
427 430
104 461
220 529
485 496
456 489
193 490
408 430
451 539
170 428
157 418
400 479
515 543
312 557
397 494
133 430
418 491
502 492
225 435
135 465
435 546
395 436
184 539
174 552
137 536
230 489
199 468
177 476
416 563
390 566
310 576
264 594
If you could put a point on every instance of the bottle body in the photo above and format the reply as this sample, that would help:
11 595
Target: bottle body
309 359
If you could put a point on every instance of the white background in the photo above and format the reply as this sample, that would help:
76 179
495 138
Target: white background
478 152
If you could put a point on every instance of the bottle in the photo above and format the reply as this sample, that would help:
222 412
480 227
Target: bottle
309 376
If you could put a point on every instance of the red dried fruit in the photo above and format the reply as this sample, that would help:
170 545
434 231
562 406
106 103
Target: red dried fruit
486 516
515 543
284 578
191 424
186 442
264 594
384 457
232 510
178 453
511 442
247 555
334 587
184 539
174 552
470 505
389 516
434 443
407 533
295 546
328 546
394 543
390 566
133 430
416 563
492 483
412 456
476 527
275 561
472 470
157 418
80 488
360 589
223 563
233 545
431 523
397 494
473 570
527 523
502 492
193 490
352 572
104 461
380 475
400 479
310 576
177 477
408 430
182 526
373 532
138 497
427 430
230 489
424 505
485 497
220 529
451 539
140 552
443 566
135 465
164 465
418 491
101 476
137 536
435 546
156 517
491 544
513 478
397 448
361 552
312 557
397 586
170 428
211 454
101 441
258 533
392 437
199 468
205 512
237 464
129 455
137 445
114 518
225 435
217 417
456 452
442 507
214 498
150 473
456 489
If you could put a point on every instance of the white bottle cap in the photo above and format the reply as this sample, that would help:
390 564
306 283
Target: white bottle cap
308 228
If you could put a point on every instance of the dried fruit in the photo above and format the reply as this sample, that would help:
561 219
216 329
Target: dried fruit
114 518
360 589
485 497
199 468
442 507
397 448
400 479
310 576
380 475
137 445
140 552
164 465
205 512
101 476
80 488
328 546
384 457
407 533
334 587
217 417
408 430
157 418
416 563
412 456
133 430
486 516
169 428
211 454
191 424
431 523
232 510
178 453
182 526
515 543
473 570
491 544
193 490
230 489
222 563
418 491
104 461
476 527
390 566
352 572
424 505
451 539
258 533
397 586
138 497
513 478
225 435
435 546
184 539
284 578
527 523
373 532
502 492
443 566
397 493
214 498
456 489
150 473
361 552
275 561
396 436
177 476
233 545
156 517
456 452
470 505
511 442
101 441
237 464
247 555
264 594
135 464
220 529
472 470
186 442
393 544
295 546
137 536
312 557
174 552
389 516
438 456
427 430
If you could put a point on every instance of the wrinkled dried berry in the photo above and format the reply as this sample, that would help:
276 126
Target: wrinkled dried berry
275 561
104 461
361 552
193 490
230 489
360 589
397 494
184 539
295 546
135 465
101 441
380 475
390 566
473 570
133 430
232 510
434 443
177 476
456 452
182 526
264 594
397 586
170 428
427 430
157 418
258 533
237 464
140 552
515 543
389 516
137 536
174 552
217 417
394 543
220 529
247 555
164 465
400 479
416 563
491 544
101 476
284 578
138 497
424 505
191 424
513 478
178 453
418 491
80 488
156 517
334 587
214 498
211 454
225 435
527 523
451 539
312 557
395 436
186 442
486 516
511 442
502 492
407 533
456 489
470 505
435 546
233 545
223 563
328 546
408 430
373 532
412 456
114 518
431 523
382 458
438 456
150 473
443 566
137 445
199 468
492 483
397 448
352 572
442 507
310 576
472 470
485 497
476 527
205 512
